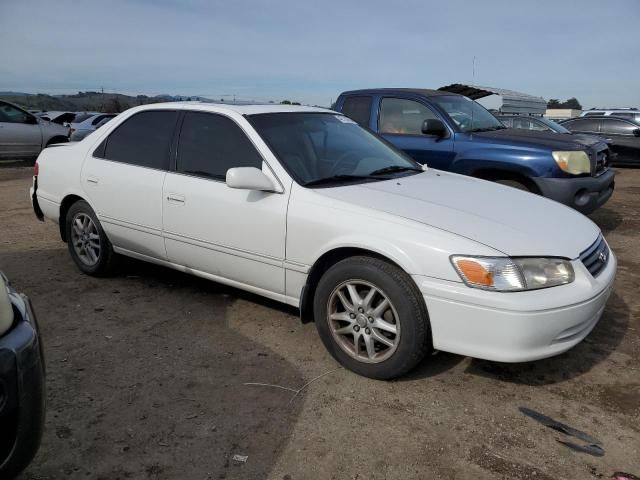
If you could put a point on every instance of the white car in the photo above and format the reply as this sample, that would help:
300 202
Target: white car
87 125
303 206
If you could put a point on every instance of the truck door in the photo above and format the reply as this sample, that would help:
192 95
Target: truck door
400 122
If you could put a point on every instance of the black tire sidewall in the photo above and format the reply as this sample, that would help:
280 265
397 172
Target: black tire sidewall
415 333
103 265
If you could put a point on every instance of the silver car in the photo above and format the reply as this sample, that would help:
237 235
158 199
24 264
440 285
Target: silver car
23 135
81 129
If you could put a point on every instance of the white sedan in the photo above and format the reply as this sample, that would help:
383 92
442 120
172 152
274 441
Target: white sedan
304 206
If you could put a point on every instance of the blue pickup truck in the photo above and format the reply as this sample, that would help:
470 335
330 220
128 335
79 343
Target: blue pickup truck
450 132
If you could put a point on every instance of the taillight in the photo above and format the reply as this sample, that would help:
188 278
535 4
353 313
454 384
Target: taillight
36 169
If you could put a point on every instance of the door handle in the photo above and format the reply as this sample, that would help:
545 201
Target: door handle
93 180
174 197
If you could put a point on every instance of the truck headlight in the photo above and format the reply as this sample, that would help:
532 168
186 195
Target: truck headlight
504 274
574 162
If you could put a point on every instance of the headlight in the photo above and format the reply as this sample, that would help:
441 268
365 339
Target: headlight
504 274
575 162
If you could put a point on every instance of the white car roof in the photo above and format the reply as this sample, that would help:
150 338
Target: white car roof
240 109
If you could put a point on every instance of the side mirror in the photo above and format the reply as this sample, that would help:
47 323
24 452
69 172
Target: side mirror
636 132
434 127
30 120
249 178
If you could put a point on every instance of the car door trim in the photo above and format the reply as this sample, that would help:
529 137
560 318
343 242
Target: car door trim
133 226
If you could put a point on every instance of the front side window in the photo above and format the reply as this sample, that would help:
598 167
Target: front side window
618 127
403 116
11 114
468 115
358 109
319 147
211 144
143 139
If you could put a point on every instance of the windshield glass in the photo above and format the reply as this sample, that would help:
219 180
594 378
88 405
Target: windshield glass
81 117
315 147
556 127
468 115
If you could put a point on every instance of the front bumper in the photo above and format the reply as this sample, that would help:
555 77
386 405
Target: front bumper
22 389
517 326
585 194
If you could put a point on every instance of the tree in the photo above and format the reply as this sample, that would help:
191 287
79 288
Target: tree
285 102
573 103
553 103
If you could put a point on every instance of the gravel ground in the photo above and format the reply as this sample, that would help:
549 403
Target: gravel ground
147 372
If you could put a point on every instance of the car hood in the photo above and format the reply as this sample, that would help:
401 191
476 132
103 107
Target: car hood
514 222
532 138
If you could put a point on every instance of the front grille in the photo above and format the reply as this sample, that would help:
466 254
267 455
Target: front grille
596 257
602 160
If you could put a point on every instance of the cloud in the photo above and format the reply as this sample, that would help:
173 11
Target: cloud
311 51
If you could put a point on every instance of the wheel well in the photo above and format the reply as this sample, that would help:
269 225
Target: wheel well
58 139
326 261
495 174
64 208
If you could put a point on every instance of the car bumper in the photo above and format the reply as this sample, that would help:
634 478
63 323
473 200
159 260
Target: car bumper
517 326
22 389
585 194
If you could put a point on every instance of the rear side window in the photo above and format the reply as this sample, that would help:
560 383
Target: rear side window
143 140
506 121
358 109
618 127
211 144
582 125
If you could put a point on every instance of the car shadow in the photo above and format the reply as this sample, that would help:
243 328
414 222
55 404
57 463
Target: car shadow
599 344
146 375
607 219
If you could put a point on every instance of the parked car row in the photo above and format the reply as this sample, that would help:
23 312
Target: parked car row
24 134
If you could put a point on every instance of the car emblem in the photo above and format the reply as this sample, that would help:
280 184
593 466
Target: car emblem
603 257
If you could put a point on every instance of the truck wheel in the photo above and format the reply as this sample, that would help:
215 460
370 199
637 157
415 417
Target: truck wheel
88 245
371 317
514 184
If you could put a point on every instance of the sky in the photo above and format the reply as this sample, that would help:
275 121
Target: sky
310 51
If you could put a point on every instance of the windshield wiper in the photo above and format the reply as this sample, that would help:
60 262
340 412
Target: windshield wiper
488 129
338 179
395 168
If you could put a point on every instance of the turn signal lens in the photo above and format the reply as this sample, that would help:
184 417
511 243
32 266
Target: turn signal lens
474 272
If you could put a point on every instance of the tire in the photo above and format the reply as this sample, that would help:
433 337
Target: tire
102 262
374 357
515 184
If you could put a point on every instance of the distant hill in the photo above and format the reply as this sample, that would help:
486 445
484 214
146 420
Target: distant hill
87 101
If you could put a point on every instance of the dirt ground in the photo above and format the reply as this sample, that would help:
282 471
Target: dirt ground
147 376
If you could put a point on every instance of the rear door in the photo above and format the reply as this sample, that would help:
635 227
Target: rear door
238 235
123 179
20 132
400 122
623 140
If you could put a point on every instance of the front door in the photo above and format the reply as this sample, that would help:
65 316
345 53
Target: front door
20 133
238 235
400 122
123 179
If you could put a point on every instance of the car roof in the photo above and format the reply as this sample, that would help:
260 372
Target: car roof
425 92
240 109
602 117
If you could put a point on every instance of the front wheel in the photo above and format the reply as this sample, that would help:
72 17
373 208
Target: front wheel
88 245
371 318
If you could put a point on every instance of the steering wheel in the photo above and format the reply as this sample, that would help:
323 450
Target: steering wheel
342 167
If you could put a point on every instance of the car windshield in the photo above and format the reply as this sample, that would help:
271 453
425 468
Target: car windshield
325 148
81 117
556 127
468 115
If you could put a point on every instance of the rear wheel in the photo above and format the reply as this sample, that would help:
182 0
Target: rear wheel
88 245
371 318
